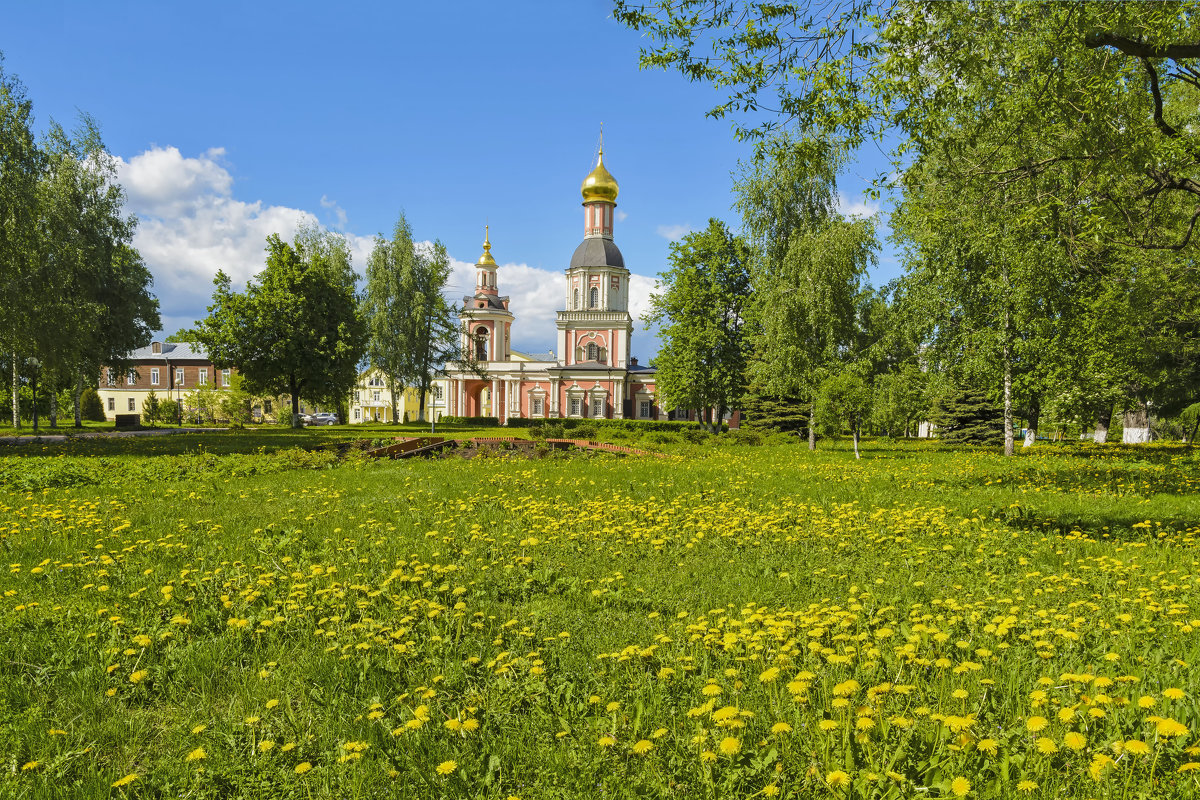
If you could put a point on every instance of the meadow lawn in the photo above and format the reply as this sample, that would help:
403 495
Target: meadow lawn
239 615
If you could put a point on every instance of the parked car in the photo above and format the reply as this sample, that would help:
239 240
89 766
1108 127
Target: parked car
306 419
324 418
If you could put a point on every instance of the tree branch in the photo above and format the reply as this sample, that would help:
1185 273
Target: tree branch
1133 47
1159 122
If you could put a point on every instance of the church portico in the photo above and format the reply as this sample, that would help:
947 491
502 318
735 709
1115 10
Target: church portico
592 376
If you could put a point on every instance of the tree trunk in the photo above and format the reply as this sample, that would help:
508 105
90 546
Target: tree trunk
1137 424
1008 411
77 398
34 384
812 425
1035 414
295 390
53 393
854 430
1103 418
395 410
16 393
1192 436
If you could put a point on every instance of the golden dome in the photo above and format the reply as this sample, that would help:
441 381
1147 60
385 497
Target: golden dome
599 184
486 259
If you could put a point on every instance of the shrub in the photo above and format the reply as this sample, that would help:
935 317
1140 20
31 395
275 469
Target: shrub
168 410
150 408
477 422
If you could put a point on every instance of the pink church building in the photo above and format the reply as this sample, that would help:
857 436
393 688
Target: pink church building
593 375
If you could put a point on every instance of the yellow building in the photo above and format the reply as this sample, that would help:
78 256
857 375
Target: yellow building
371 401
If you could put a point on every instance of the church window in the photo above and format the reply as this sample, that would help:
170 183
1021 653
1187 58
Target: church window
481 337
537 407
598 407
593 352
576 305
644 409
575 406
593 297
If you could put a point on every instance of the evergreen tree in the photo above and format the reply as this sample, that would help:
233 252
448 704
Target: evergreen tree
969 416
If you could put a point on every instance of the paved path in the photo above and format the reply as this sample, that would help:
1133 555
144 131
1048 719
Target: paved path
60 437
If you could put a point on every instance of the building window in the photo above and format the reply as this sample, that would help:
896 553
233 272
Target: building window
112 379
437 392
358 415
593 352
132 404
225 377
597 407
375 396
481 337
203 377
131 377
375 380
356 398
112 404
537 407
594 298
576 304
179 377
644 409
266 406
154 376
576 405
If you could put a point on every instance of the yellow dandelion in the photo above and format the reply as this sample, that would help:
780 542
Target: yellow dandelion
1027 786
1136 747
606 741
729 746
1169 727
1173 693
28 765
960 786
837 778
266 745
1190 766
196 755
303 767
1046 745
128 779
137 677
827 724
446 767
1035 724
781 727
199 729
643 746
1075 740
710 690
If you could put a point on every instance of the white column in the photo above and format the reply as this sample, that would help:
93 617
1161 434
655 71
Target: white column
553 398
619 403
462 398
495 391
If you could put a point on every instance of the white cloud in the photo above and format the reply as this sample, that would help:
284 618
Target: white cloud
191 225
673 232
339 213
857 208
621 215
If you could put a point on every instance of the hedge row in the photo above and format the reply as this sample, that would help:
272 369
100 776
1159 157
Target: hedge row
622 424
477 422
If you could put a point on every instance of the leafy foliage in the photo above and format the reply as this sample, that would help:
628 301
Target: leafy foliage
969 417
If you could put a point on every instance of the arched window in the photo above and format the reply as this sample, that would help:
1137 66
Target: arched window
576 305
594 298
593 352
481 337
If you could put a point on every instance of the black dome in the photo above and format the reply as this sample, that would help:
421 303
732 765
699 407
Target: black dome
597 252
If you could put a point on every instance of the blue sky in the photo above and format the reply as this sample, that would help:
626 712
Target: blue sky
236 120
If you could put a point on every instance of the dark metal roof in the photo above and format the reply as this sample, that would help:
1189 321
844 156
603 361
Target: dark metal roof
597 252
172 351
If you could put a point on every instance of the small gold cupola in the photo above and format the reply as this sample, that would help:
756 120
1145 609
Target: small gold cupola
486 259
599 185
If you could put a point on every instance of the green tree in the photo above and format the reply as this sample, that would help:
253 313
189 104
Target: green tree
91 408
151 408
701 308
1105 89
20 167
968 416
431 331
296 329
846 399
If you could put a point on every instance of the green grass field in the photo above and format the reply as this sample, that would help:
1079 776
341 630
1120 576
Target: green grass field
231 615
